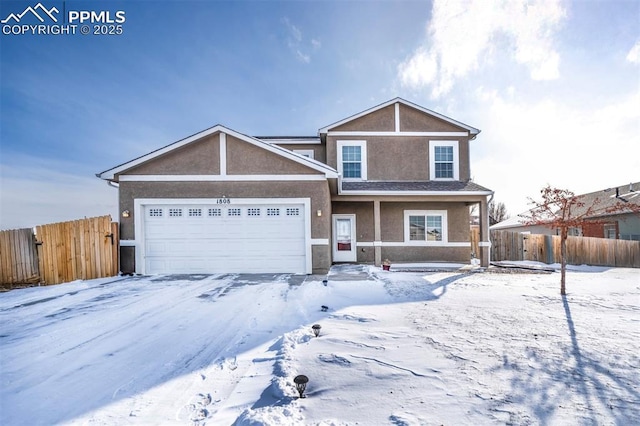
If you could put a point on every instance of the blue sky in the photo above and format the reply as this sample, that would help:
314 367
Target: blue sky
553 85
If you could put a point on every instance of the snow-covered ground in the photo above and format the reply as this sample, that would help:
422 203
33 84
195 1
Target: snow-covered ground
399 348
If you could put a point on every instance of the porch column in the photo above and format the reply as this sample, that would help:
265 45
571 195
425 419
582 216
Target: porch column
484 242
377 239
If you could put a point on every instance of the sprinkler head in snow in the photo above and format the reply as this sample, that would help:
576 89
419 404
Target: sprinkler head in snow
316 329
301 384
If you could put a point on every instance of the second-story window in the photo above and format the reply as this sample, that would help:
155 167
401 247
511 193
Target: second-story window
352 160
443 160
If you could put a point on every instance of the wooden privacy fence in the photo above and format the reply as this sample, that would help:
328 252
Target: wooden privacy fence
66 251
507 245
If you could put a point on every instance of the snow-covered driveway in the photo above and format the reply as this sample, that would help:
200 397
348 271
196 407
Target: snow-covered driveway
396 348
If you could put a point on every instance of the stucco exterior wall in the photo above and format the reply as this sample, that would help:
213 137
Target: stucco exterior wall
319 152
413 120
197 158
392 230
427 254
364 217
400 157
317 191
382 120
392 218
246 159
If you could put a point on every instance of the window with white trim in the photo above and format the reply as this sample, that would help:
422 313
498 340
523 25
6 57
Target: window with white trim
215 212
352 159
273 212
444 160
234 212
195 212
175 212
425 226
253 212
304 152
293 211
155 212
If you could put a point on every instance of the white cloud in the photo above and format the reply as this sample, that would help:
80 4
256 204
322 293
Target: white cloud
295 42
525 146
634 54
463 35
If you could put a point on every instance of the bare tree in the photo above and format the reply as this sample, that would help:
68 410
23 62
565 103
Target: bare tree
497 212
561 209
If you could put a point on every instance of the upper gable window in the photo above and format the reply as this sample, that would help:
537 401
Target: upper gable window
304 152
352 160
444 160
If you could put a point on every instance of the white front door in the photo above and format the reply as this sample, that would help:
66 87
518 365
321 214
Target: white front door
344 238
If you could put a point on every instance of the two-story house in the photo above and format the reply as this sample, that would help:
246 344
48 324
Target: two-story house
392 182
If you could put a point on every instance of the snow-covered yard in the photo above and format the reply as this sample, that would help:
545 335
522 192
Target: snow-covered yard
399 348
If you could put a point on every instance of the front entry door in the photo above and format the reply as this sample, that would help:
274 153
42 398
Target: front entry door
344 238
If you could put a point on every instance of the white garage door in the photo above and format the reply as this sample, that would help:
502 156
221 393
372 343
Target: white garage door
208 238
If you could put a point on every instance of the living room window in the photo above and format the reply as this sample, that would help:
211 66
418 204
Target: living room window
443 160
352 160
425 226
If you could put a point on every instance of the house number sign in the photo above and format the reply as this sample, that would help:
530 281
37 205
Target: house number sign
223 201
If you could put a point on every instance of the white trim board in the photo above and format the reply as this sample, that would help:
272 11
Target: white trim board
413 244
292 141
223 154
397 133
418 193
219 178
319 241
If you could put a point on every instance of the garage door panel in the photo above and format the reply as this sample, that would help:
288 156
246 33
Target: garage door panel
244 238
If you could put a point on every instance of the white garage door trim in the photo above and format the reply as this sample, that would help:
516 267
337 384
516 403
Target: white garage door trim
141 203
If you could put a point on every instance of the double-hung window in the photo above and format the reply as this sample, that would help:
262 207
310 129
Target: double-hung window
352 159
425 226
444 164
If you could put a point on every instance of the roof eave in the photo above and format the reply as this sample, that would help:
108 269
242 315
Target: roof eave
472 130
110 174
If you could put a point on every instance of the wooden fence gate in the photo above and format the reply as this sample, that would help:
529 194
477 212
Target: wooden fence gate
18 257
60 252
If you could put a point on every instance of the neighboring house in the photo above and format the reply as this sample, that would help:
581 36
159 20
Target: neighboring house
623 224
392 182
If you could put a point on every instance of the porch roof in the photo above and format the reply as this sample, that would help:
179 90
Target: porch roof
416 186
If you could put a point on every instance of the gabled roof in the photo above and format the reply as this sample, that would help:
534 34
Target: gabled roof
471 130
283 152
599 200
620 196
